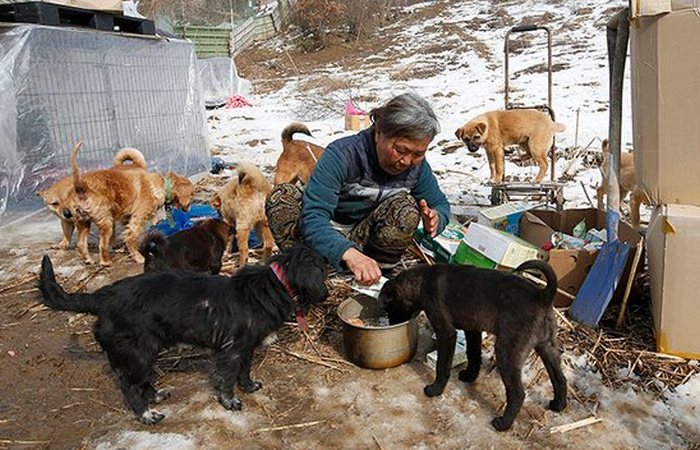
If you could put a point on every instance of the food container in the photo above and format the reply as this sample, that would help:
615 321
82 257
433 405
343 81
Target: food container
369 343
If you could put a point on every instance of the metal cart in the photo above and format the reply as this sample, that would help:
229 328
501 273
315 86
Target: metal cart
550 191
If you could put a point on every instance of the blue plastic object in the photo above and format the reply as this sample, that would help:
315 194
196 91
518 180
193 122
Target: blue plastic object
183 220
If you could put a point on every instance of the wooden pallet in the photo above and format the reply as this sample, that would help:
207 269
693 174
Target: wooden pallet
69 16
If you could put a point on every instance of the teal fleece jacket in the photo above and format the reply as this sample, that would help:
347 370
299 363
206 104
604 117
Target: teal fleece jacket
348 184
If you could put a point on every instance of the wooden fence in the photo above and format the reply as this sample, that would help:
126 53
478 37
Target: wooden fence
210 41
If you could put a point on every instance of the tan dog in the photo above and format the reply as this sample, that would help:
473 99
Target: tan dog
241 203
55 196
530 129
298 158
105 197
627 183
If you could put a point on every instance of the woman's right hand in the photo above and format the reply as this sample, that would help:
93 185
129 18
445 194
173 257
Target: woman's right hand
365 269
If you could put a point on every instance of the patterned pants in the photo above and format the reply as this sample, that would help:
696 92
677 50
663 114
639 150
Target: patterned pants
384 235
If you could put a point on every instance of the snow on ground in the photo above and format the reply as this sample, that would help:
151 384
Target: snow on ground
464 41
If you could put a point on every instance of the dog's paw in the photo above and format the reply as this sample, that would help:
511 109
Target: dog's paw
433 390
230 402
139 259
161 394
105 263
468 376
63 245
557 405
500 425
250 386
88 261
151 417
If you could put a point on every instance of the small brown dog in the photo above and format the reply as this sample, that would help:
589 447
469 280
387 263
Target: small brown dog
197 249
105 197
627 183
530 129
298 158
241 203
55 195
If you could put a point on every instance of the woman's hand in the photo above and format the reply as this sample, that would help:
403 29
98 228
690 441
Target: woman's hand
365 269
430 218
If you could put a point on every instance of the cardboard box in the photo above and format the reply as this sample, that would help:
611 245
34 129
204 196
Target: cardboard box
357 122
502 248
445 244
467 255
97 5
504 217
571 266
665 72
673 245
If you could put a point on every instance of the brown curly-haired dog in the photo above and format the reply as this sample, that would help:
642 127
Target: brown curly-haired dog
104 197
55 196
241 203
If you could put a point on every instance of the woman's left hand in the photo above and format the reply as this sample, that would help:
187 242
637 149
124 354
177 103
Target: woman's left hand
430 218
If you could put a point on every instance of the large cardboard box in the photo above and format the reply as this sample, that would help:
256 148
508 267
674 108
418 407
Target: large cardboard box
673 246
97 5
572 266
666 102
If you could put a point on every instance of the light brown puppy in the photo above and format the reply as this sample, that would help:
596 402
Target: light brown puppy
105 197
298 158
241 203
55 195
627 183
531 129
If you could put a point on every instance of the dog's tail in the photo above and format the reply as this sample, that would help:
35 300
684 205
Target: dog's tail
55 297
130 154
294 127
551 287
558 127
74 163
154 245
249 174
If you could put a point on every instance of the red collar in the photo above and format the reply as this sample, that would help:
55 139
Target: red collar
279 273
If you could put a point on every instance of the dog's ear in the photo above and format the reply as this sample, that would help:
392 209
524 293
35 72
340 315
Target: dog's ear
459 133
481 127
606 146
81 189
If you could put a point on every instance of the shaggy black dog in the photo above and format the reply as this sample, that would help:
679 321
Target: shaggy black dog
197 249
474 300
140 315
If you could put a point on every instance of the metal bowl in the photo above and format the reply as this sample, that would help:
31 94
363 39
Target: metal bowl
375 347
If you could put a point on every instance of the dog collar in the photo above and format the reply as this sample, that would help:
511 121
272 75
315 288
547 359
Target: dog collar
279 273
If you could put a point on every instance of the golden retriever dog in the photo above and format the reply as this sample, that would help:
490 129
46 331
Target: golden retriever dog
298 158
55 196
241 204
627 183
530 129
132 197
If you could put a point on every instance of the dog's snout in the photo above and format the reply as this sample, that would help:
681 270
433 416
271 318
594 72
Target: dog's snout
67 213
472 146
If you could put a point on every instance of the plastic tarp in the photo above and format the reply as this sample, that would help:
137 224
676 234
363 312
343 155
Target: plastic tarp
60 85
220 80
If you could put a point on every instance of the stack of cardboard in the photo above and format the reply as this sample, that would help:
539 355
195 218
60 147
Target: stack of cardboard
666 121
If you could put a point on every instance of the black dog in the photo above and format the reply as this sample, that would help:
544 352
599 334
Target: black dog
198 249
475 300
140 315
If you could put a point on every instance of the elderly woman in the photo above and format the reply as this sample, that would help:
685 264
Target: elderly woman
367 194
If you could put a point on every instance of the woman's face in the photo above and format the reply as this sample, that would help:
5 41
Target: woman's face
399 153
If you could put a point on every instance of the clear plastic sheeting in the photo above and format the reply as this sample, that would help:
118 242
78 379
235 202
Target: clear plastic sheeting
60 85
220 80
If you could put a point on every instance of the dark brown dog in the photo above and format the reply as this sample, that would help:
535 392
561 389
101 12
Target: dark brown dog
475 300
197 249
298 158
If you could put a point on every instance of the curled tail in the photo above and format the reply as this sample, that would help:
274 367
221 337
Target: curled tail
55 297
294 127
153 246
130 154
551 287
249 173
74 163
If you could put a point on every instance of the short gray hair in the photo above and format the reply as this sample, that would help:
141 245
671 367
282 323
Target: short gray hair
407 115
